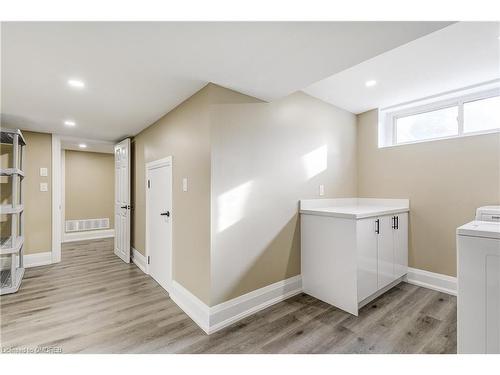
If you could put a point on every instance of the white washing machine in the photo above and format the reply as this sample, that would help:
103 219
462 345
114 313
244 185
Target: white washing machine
488 213
478 248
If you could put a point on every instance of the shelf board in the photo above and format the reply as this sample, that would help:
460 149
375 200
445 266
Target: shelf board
6 287
9 209
11 172
7 136
7 247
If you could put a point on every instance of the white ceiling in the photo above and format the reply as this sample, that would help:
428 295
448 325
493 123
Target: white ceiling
92 145
137 71
460 55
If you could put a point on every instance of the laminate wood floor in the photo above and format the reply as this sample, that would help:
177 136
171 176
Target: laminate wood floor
92 302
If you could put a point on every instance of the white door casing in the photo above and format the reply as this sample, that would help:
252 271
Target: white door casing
159 221
122 200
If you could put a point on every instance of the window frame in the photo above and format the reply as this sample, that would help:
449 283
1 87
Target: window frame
457 101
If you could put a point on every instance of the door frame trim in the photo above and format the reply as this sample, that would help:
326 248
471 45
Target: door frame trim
57 197
61 143
164 162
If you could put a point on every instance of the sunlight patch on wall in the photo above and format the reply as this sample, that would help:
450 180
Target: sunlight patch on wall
316 161
231 205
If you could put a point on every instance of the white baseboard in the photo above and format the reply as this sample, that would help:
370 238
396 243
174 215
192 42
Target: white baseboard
191 305
88 235
436 281
215 318
139 260
30 260
37 259
229 312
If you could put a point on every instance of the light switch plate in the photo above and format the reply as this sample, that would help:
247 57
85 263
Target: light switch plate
44 186
321 190
44 172
185 184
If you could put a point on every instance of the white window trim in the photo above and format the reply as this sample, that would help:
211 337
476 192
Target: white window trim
389 117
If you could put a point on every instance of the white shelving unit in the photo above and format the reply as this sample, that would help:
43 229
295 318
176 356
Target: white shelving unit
11 244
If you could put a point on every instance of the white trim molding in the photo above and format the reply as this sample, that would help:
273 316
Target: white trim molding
88 235
198 311
30 260
435 281
37 259
139 260
215 318
56 198
229 312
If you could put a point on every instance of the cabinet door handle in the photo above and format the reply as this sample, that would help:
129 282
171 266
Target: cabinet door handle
394 222
377 226
397 222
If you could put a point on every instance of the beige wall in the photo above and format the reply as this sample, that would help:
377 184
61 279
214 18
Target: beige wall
89 185
265 158
230 145
37 204
445 180
184 134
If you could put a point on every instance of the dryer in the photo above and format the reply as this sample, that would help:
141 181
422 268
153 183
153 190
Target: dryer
478 256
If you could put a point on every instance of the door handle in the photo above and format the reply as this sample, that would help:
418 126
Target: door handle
394 222
397 222
126 207
167 214
377 226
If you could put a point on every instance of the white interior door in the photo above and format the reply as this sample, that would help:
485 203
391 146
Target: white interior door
122 200
159 221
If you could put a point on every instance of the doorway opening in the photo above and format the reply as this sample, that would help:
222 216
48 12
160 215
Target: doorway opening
83 191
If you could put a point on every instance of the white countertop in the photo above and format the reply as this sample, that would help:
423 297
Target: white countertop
353 208
476 228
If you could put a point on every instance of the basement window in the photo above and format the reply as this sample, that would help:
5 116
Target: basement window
448 116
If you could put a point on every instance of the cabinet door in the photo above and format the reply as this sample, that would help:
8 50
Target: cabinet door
401 246
366 257
385 251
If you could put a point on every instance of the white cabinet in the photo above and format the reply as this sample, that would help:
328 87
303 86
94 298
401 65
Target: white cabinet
382 248
385 250
400 245
349 259
367 264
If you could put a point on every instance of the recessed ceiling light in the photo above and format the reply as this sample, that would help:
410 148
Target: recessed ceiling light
76 83
69 123
82 145
370 83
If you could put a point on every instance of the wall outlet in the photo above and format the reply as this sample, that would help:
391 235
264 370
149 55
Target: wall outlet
185 184
44 172
321 190
44 186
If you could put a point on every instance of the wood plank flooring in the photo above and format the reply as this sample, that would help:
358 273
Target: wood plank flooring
92 302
